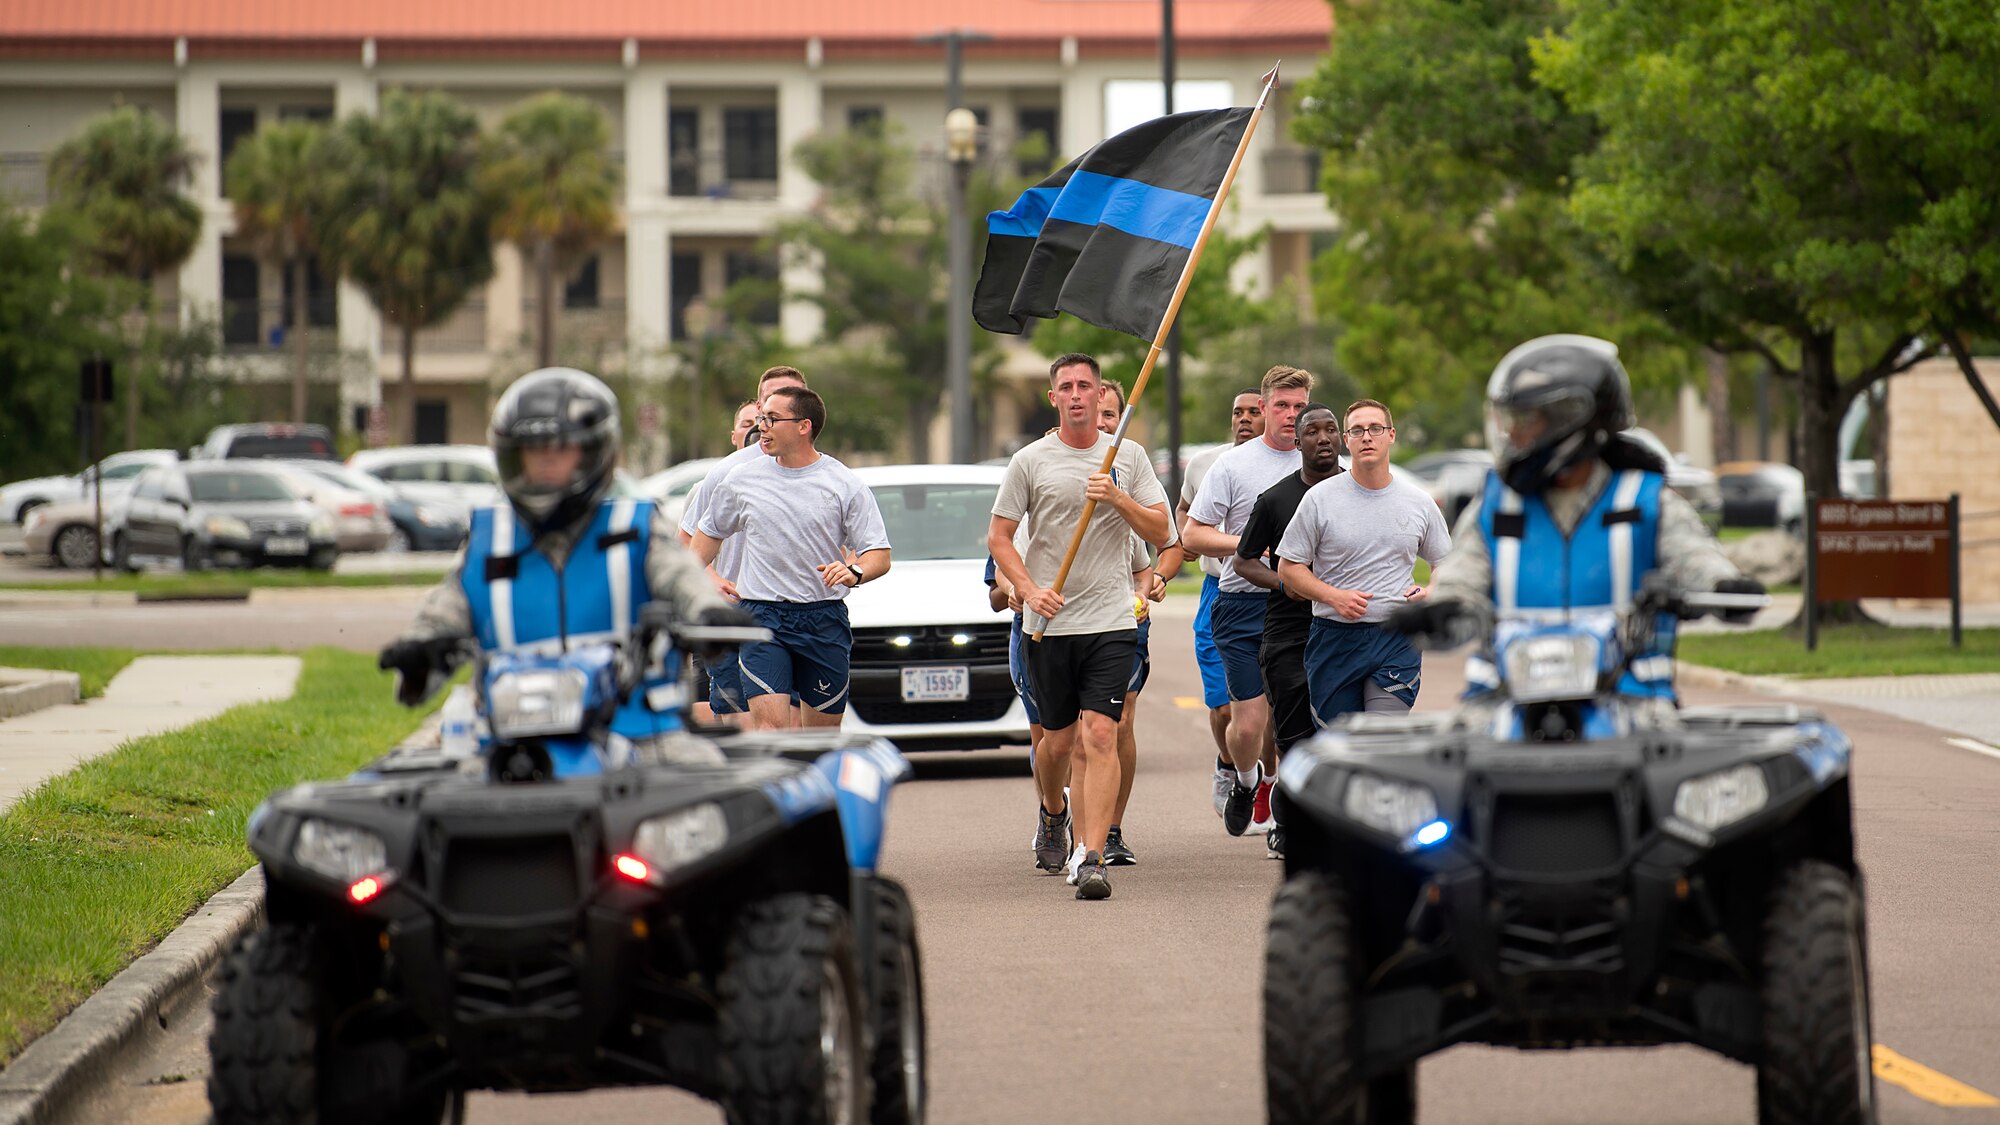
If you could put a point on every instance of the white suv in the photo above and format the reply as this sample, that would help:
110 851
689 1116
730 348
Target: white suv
929 668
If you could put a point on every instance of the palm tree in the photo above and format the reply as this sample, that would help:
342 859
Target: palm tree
406 218
122 177
274 182
550 170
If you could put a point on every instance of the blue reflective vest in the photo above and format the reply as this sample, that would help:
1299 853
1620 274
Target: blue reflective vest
1597 566
523 602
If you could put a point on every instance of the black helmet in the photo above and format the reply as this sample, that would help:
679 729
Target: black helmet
556 406
1553 403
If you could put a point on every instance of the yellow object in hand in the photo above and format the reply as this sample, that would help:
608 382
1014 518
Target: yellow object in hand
1139 607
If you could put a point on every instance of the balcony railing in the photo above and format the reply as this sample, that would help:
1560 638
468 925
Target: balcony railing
24 178
596 326
703 173
462 332
252 325
1291 171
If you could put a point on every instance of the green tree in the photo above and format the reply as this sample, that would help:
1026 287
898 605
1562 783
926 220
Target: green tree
275 182
406 217
122 176
550 171
52 318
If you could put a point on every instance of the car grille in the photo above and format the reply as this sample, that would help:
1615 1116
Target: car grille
536 985
276 525
930 644
510 877
1556 835
1580 936
895 712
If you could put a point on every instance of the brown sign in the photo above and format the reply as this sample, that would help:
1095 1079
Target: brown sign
1883 549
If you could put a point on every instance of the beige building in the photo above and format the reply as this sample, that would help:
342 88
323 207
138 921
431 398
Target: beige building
706 103
1941 441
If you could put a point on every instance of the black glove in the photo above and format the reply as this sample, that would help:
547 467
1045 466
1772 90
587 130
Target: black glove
415 662
728 617
1745 585
1438 623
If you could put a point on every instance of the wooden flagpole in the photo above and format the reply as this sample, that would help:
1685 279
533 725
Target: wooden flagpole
1160 337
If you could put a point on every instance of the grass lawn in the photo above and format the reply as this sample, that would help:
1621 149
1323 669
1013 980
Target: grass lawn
104 861
1846 650
95 666
225 581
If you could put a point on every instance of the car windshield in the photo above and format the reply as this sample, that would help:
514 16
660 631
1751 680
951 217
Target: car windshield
219 488
936 521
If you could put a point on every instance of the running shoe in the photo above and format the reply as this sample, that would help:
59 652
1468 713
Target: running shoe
1051 840
1093 882
1242 802
1274 843
1116 854
1075 861
1224 779
1261 820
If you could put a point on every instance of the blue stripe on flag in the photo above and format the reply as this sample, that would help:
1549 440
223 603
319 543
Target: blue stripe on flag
1141 210
1029 212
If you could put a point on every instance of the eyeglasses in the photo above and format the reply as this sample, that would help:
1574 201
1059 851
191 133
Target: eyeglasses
1359 432
764 420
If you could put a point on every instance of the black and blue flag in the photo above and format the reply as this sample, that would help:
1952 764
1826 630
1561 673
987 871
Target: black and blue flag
1106 237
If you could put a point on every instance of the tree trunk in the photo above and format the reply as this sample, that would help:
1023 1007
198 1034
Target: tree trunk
298 268
1721 424
132 380
409 385
545 303
1821 404
919 415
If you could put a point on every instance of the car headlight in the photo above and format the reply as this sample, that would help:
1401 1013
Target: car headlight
1722 798
321 527
1556 666
340 852
545 701
1397 808
680 838
227 527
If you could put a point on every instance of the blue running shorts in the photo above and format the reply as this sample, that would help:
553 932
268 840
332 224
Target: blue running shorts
1343 657
807 656
1214 686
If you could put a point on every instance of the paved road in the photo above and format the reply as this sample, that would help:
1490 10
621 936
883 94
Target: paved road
1144 1008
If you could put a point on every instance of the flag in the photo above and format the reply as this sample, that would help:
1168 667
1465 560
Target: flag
1106 237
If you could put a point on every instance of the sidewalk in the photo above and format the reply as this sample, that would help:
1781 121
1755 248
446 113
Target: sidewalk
152 695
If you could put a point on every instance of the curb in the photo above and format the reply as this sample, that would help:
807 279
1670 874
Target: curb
48 1076
1701 675
27 690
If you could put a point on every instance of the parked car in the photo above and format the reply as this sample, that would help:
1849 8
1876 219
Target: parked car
267 439
1454 477
1762 494
66 531
222 513
1857 479
459 477
414 526
361 522
672 486
929 666
1697 486
23 496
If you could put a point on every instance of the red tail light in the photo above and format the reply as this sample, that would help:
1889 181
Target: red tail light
357 509
632 867
365 888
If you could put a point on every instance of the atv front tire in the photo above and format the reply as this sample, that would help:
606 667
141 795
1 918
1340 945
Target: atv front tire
1817 1067
897 1011
1312 1028
791 1019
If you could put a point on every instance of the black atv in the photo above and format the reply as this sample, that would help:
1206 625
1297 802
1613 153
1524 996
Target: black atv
1558 865
563 910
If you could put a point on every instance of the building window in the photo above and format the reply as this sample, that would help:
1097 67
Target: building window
241 320
750 266
580 291
861 117
235 125
433 421
319 297
683 151
684 283
1045 123
750 142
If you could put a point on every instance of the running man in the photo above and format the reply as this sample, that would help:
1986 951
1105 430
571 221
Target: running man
1147 587
792 507
1081 667
1215 522
709 700
1350 549
1287 620
1246 421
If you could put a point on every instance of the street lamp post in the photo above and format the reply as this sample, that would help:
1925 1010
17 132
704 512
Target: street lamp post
961 130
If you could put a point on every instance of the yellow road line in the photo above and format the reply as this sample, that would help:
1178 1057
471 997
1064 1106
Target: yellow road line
1189 703
1928 1084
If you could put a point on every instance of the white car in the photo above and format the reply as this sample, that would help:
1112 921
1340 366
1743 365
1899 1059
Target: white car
22 496
457 478
673 485
929 668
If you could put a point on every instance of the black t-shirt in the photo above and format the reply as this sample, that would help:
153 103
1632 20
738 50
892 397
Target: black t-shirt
1286 619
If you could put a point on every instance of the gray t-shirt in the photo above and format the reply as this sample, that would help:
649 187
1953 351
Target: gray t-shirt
791 521
1044 486
1366 539
1197 471
729 557
1231 489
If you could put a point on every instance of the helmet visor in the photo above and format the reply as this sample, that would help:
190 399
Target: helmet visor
1518 432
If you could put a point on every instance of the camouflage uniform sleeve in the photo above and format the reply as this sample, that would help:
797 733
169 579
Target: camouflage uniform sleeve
445 611
674 574
1688 554
1466 573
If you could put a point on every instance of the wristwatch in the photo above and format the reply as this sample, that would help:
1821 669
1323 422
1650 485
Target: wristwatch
857 573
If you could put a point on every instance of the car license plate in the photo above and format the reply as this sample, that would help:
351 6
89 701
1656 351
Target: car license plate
284 546
941 684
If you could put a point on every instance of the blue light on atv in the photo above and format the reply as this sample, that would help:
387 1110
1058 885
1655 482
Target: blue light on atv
1432 833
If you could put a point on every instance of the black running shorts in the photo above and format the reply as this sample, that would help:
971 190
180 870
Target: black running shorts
1081 672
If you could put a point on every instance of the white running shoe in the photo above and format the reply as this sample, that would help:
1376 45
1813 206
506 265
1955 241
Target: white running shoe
1069 869
1225 779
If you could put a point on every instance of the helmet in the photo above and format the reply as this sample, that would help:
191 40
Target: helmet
1552 404
556 406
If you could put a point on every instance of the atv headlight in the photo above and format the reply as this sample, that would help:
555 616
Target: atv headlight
680 838
1722 798
542 701
339 852
1394 807
1556 666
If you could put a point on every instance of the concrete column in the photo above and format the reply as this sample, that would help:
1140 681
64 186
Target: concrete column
799 108
197 116
504 322
1082 121
360 325
647 327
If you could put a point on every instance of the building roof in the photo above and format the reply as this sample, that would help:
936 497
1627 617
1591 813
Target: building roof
661 27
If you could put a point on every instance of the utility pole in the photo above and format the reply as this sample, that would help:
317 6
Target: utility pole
961 129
